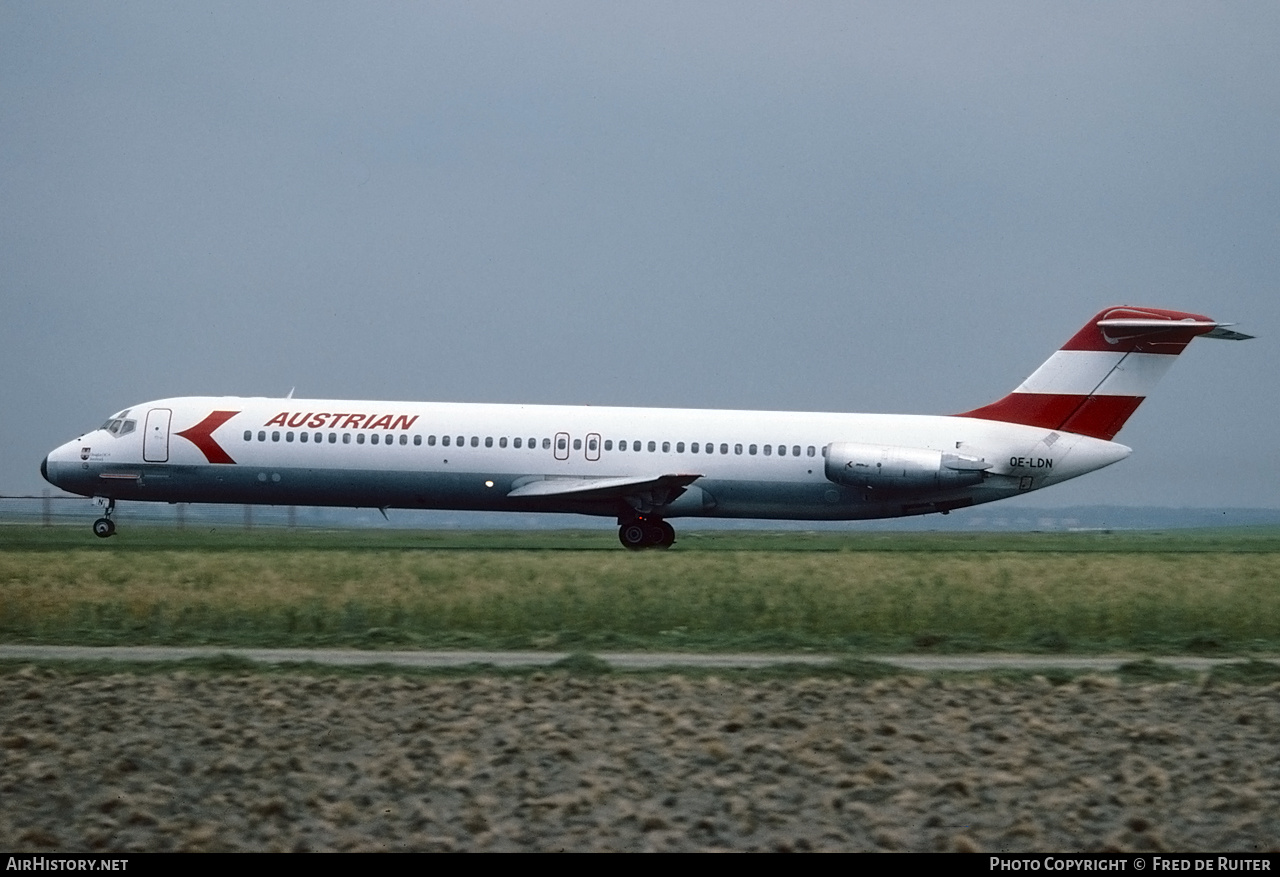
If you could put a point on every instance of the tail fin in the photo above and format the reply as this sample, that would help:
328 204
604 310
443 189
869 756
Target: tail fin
1103 373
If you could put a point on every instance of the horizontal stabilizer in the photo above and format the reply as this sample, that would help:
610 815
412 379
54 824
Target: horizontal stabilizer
1119 330
1225 334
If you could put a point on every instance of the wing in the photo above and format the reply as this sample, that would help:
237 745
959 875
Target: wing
639 492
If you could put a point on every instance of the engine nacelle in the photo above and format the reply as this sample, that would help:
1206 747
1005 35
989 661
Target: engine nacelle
901 470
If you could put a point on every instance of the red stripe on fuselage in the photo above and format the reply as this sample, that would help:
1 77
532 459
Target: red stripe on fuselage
1096 416
201 435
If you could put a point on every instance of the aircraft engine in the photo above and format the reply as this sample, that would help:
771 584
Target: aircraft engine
901 470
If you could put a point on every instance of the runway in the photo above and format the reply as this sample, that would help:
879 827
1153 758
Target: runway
616 660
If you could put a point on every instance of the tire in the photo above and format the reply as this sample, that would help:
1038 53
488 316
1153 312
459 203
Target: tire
668 535
633 536
654 535
103 527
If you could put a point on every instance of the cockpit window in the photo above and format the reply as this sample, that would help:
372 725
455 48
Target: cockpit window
119 426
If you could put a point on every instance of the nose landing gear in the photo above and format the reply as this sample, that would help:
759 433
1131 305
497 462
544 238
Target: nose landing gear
643 533
104 526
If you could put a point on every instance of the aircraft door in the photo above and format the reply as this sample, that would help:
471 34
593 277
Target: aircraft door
155 439
562 446
593 446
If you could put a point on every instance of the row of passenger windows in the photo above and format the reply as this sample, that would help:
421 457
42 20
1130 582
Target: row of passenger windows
318 437
562 443
711 448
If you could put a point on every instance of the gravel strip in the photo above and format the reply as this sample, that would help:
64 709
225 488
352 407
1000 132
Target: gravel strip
194 761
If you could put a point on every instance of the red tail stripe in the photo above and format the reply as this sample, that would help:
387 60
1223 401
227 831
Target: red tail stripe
1102 416
1097 416
1173 341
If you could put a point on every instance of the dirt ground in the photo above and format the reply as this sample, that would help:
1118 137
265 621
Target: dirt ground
186 761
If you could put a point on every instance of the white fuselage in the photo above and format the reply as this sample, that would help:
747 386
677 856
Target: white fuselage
676 462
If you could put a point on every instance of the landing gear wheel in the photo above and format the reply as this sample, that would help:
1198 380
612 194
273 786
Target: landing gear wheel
668 535
633 536
104 526
638 535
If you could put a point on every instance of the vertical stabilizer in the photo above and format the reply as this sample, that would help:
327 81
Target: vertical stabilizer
1100 376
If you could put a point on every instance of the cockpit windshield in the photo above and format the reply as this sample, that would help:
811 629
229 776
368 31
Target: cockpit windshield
119 424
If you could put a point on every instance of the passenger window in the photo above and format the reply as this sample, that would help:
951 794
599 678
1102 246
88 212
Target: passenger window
502 442
724 449
288 436
608 444
488 441
359 438
693 448
248 435
824 451
475 441
795 451
533 443
679 447
275 436
373 439
462 440
445 440
404 439
593 444
782 450
516 441
303 436
333 437
751 450
546 444
737 449
653 446
561 444
417 440
768 450
431 441
577 444
346 438
666 447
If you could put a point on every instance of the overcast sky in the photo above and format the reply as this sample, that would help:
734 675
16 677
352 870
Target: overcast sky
841 207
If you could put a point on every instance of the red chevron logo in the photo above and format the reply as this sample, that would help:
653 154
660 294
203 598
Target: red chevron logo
201 435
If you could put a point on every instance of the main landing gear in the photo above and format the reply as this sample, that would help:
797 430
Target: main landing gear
644 533
104 526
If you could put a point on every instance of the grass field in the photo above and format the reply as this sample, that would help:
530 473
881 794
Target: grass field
1214 592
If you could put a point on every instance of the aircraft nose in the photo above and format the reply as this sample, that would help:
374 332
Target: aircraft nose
44 469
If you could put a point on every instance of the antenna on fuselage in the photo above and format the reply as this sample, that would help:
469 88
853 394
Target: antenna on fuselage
291 389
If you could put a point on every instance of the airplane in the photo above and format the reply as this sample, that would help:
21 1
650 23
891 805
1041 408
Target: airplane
641 466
